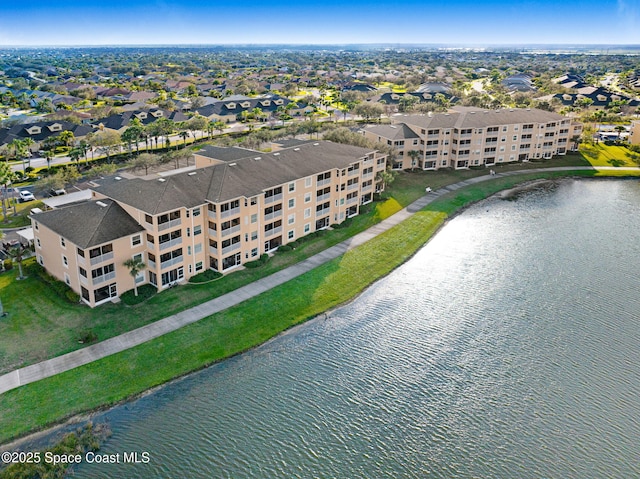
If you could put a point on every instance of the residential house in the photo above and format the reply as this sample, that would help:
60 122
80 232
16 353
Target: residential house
40 131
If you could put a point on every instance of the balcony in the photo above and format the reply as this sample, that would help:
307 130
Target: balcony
322 212
151 264
367 175
213 251
81 260
273 199
84 280
352 201
169 244
353 172
213 215
353 186
99 259
231 230
213 233
230 248
274 231
169 224
103 278
367 187
171 262
231 212
321 198
326 181
275 214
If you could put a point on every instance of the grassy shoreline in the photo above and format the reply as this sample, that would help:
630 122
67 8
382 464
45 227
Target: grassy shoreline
125 375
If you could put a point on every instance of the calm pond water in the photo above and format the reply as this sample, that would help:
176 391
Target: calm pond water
508 347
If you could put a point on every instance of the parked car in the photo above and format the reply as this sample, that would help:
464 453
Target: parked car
26 195
58 192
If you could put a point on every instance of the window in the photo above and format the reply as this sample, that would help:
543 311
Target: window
189 250
307 212
254 218
197 230
254 235
136 240
307 227
290 234
35 224
199 266
254 252
307 182
307 197
148 219
196 212
83 272
291 219
188 231
197 248
292 187
40 260
65 261
292 203
62 242
38 242
254 201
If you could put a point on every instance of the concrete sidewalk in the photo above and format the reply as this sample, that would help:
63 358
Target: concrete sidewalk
51 367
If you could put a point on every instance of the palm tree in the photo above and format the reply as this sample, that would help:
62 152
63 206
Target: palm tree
48 154
619 129
17 253
134 265
414 154
5 178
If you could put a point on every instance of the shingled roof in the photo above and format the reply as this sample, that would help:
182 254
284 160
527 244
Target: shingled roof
90 224
244 177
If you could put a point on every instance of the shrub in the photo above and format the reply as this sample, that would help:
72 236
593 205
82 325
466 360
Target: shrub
8 264
284 248
207 275
257 263
72 296
87 337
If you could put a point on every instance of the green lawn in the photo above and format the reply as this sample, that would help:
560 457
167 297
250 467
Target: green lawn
607 155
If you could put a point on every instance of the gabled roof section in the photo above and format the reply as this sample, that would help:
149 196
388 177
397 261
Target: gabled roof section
91 223
244 177
393 132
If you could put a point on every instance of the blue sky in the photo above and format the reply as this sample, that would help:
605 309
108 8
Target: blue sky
468 22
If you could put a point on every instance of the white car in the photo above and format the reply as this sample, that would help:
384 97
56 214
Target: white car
26 195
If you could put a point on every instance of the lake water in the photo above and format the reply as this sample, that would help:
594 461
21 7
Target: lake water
508 347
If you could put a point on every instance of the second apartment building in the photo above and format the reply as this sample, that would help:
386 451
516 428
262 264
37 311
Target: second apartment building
472 137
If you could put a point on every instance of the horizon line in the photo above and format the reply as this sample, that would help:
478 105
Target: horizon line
336 44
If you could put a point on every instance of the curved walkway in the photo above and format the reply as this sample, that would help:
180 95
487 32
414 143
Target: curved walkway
51 367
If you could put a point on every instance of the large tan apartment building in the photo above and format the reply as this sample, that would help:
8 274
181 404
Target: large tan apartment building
472 137
219 216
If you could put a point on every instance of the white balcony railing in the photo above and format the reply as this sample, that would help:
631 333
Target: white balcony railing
231 212
103 278
230 248
274 231
169 224
171 262
170 243
273 199
228 231
99 259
